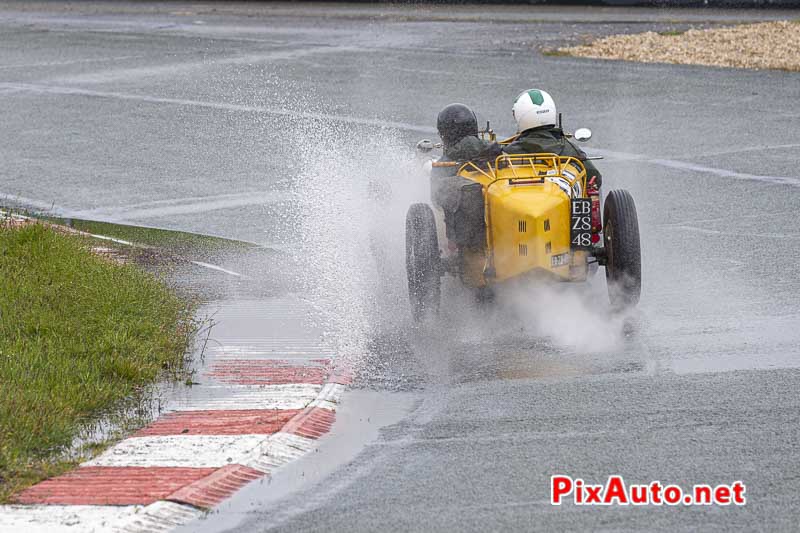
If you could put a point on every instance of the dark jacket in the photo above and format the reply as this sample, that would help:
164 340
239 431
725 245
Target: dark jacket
445 184
549 139
471 148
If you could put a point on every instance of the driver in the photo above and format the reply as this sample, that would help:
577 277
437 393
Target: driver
535 113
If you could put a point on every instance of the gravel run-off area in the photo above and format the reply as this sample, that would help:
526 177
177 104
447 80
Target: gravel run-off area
767 45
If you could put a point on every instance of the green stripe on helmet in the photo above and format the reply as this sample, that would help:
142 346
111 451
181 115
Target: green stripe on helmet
536 96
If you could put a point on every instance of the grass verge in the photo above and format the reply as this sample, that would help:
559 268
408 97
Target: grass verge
79 337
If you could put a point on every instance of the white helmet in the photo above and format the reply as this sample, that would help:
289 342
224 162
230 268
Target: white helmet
534 108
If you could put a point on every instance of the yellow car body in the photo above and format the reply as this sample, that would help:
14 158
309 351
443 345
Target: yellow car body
523 216
527 199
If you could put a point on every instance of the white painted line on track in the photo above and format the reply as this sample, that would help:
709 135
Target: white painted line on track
172 69
183 207
761 148
33 203
195 451
128 243
683 165
738 234
217 268
198 263
275 111
39 64
111 239
693 167
107 211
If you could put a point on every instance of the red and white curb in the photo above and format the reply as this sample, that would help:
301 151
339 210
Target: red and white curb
255 415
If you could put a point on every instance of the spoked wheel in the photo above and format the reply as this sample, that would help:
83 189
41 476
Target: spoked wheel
422 262
622 249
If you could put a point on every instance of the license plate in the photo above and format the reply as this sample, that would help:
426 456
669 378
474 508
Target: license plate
581 224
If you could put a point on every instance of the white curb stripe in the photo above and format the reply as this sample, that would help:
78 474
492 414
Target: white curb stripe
64 518
196 451
158 517
329 396
261 346
323 404
279 449
293 396
263 453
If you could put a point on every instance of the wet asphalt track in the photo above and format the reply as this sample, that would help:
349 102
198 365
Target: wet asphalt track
221 119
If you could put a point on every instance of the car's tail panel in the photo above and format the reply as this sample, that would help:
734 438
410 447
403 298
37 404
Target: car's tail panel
529 221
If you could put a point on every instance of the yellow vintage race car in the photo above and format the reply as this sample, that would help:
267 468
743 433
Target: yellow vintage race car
524 216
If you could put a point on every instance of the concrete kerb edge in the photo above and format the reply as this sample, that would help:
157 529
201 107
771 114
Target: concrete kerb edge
275 451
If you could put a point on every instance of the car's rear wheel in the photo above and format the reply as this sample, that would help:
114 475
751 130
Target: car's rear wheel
622 249
484 295
422 262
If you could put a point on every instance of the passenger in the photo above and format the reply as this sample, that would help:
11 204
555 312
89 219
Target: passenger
535 113
458 128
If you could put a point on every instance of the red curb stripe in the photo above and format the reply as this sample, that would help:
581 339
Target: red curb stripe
312 423
200 487
233 422
268 372
212 489
99 485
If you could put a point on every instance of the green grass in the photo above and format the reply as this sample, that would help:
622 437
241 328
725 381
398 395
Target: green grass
80 338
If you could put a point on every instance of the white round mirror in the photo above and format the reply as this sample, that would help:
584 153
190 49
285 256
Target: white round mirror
582 134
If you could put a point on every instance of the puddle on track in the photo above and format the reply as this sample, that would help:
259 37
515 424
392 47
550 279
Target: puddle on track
357 426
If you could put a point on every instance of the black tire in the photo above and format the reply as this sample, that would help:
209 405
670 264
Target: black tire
622 249
484 296
422 262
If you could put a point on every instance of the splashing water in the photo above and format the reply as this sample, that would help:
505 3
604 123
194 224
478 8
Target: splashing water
349 201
